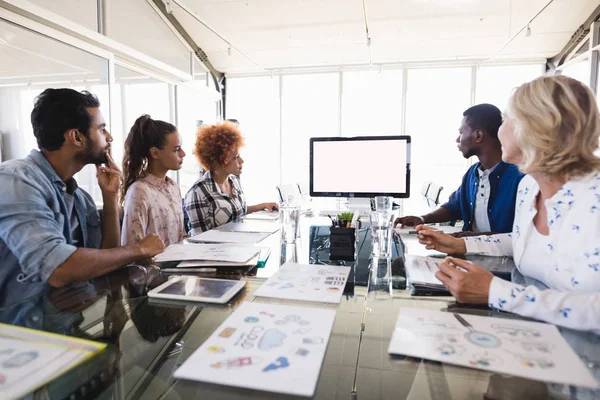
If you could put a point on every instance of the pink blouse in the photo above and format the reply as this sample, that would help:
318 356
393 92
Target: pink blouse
152 205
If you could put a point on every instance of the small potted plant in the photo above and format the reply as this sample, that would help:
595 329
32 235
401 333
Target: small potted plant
344 220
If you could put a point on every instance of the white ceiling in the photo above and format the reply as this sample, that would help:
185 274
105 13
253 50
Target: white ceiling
277 34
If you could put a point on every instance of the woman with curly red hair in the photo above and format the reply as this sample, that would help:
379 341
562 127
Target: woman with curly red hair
217 197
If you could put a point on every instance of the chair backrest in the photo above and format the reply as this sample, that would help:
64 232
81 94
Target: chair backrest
433 194
425 188
289 191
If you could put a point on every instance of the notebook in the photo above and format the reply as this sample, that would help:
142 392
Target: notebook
263 215
420 272
216 236
30 358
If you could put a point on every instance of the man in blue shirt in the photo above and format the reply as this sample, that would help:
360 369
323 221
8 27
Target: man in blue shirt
50 229
485 200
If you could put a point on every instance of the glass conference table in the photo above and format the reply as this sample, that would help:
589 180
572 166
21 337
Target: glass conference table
149 339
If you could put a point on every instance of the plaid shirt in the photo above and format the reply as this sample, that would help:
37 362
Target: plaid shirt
208 207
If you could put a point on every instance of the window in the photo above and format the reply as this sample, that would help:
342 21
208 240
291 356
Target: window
309 108
135 95
579 70
372 103
496 83
254 103
196 104
32 63
436 100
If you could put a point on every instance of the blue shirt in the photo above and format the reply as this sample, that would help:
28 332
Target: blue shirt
504 181
35 231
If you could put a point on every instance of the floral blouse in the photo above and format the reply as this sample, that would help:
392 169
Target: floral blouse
152 205
568 264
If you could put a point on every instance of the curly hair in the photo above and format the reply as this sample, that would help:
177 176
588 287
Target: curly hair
216 144
557 126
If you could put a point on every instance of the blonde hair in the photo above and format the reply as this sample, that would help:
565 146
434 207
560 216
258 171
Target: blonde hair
557 127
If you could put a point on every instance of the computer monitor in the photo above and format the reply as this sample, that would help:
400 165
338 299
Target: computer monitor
360 166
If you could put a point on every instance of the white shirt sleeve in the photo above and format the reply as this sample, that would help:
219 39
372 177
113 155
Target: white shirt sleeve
493 245
576 310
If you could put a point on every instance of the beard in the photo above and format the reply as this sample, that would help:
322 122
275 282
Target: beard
92 155
468 153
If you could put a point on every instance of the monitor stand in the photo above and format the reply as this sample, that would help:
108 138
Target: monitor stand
361 204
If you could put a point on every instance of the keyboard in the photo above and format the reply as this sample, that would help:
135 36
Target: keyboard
361 212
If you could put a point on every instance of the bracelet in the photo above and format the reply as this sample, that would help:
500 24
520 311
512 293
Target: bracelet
422 219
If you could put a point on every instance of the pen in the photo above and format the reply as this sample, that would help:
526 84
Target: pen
332 221
415 232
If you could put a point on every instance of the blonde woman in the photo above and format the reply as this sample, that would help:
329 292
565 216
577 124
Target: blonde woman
550 130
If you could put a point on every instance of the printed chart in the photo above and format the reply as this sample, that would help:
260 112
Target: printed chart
528 349
264 347
307 282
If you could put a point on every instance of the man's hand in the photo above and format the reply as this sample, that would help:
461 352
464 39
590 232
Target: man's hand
467 282
115 318
151 245
109 177
434 240
408 221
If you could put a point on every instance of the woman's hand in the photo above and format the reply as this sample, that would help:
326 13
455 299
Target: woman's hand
467 282
434 240
270 206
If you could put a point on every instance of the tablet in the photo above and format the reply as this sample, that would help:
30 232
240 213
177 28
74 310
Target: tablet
194 288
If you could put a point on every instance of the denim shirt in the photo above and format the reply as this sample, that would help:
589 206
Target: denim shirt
504 182
35 231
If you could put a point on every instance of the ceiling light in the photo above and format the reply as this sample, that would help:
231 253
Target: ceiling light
168 6
528 31
229 51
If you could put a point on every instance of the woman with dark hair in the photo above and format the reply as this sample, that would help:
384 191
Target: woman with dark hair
217 197
151 200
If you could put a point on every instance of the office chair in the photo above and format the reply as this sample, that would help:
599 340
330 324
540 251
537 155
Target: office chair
432 196
289 192
425 188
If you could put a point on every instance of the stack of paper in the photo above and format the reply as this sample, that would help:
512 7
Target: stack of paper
203 264
264 347
263 215
207 252
217 236
250 226
29 358
528 349
308 282
421 272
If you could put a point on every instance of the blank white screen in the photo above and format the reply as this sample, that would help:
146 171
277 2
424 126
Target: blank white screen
360 166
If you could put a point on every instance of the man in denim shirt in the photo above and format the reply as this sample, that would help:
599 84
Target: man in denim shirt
485 200
50 230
